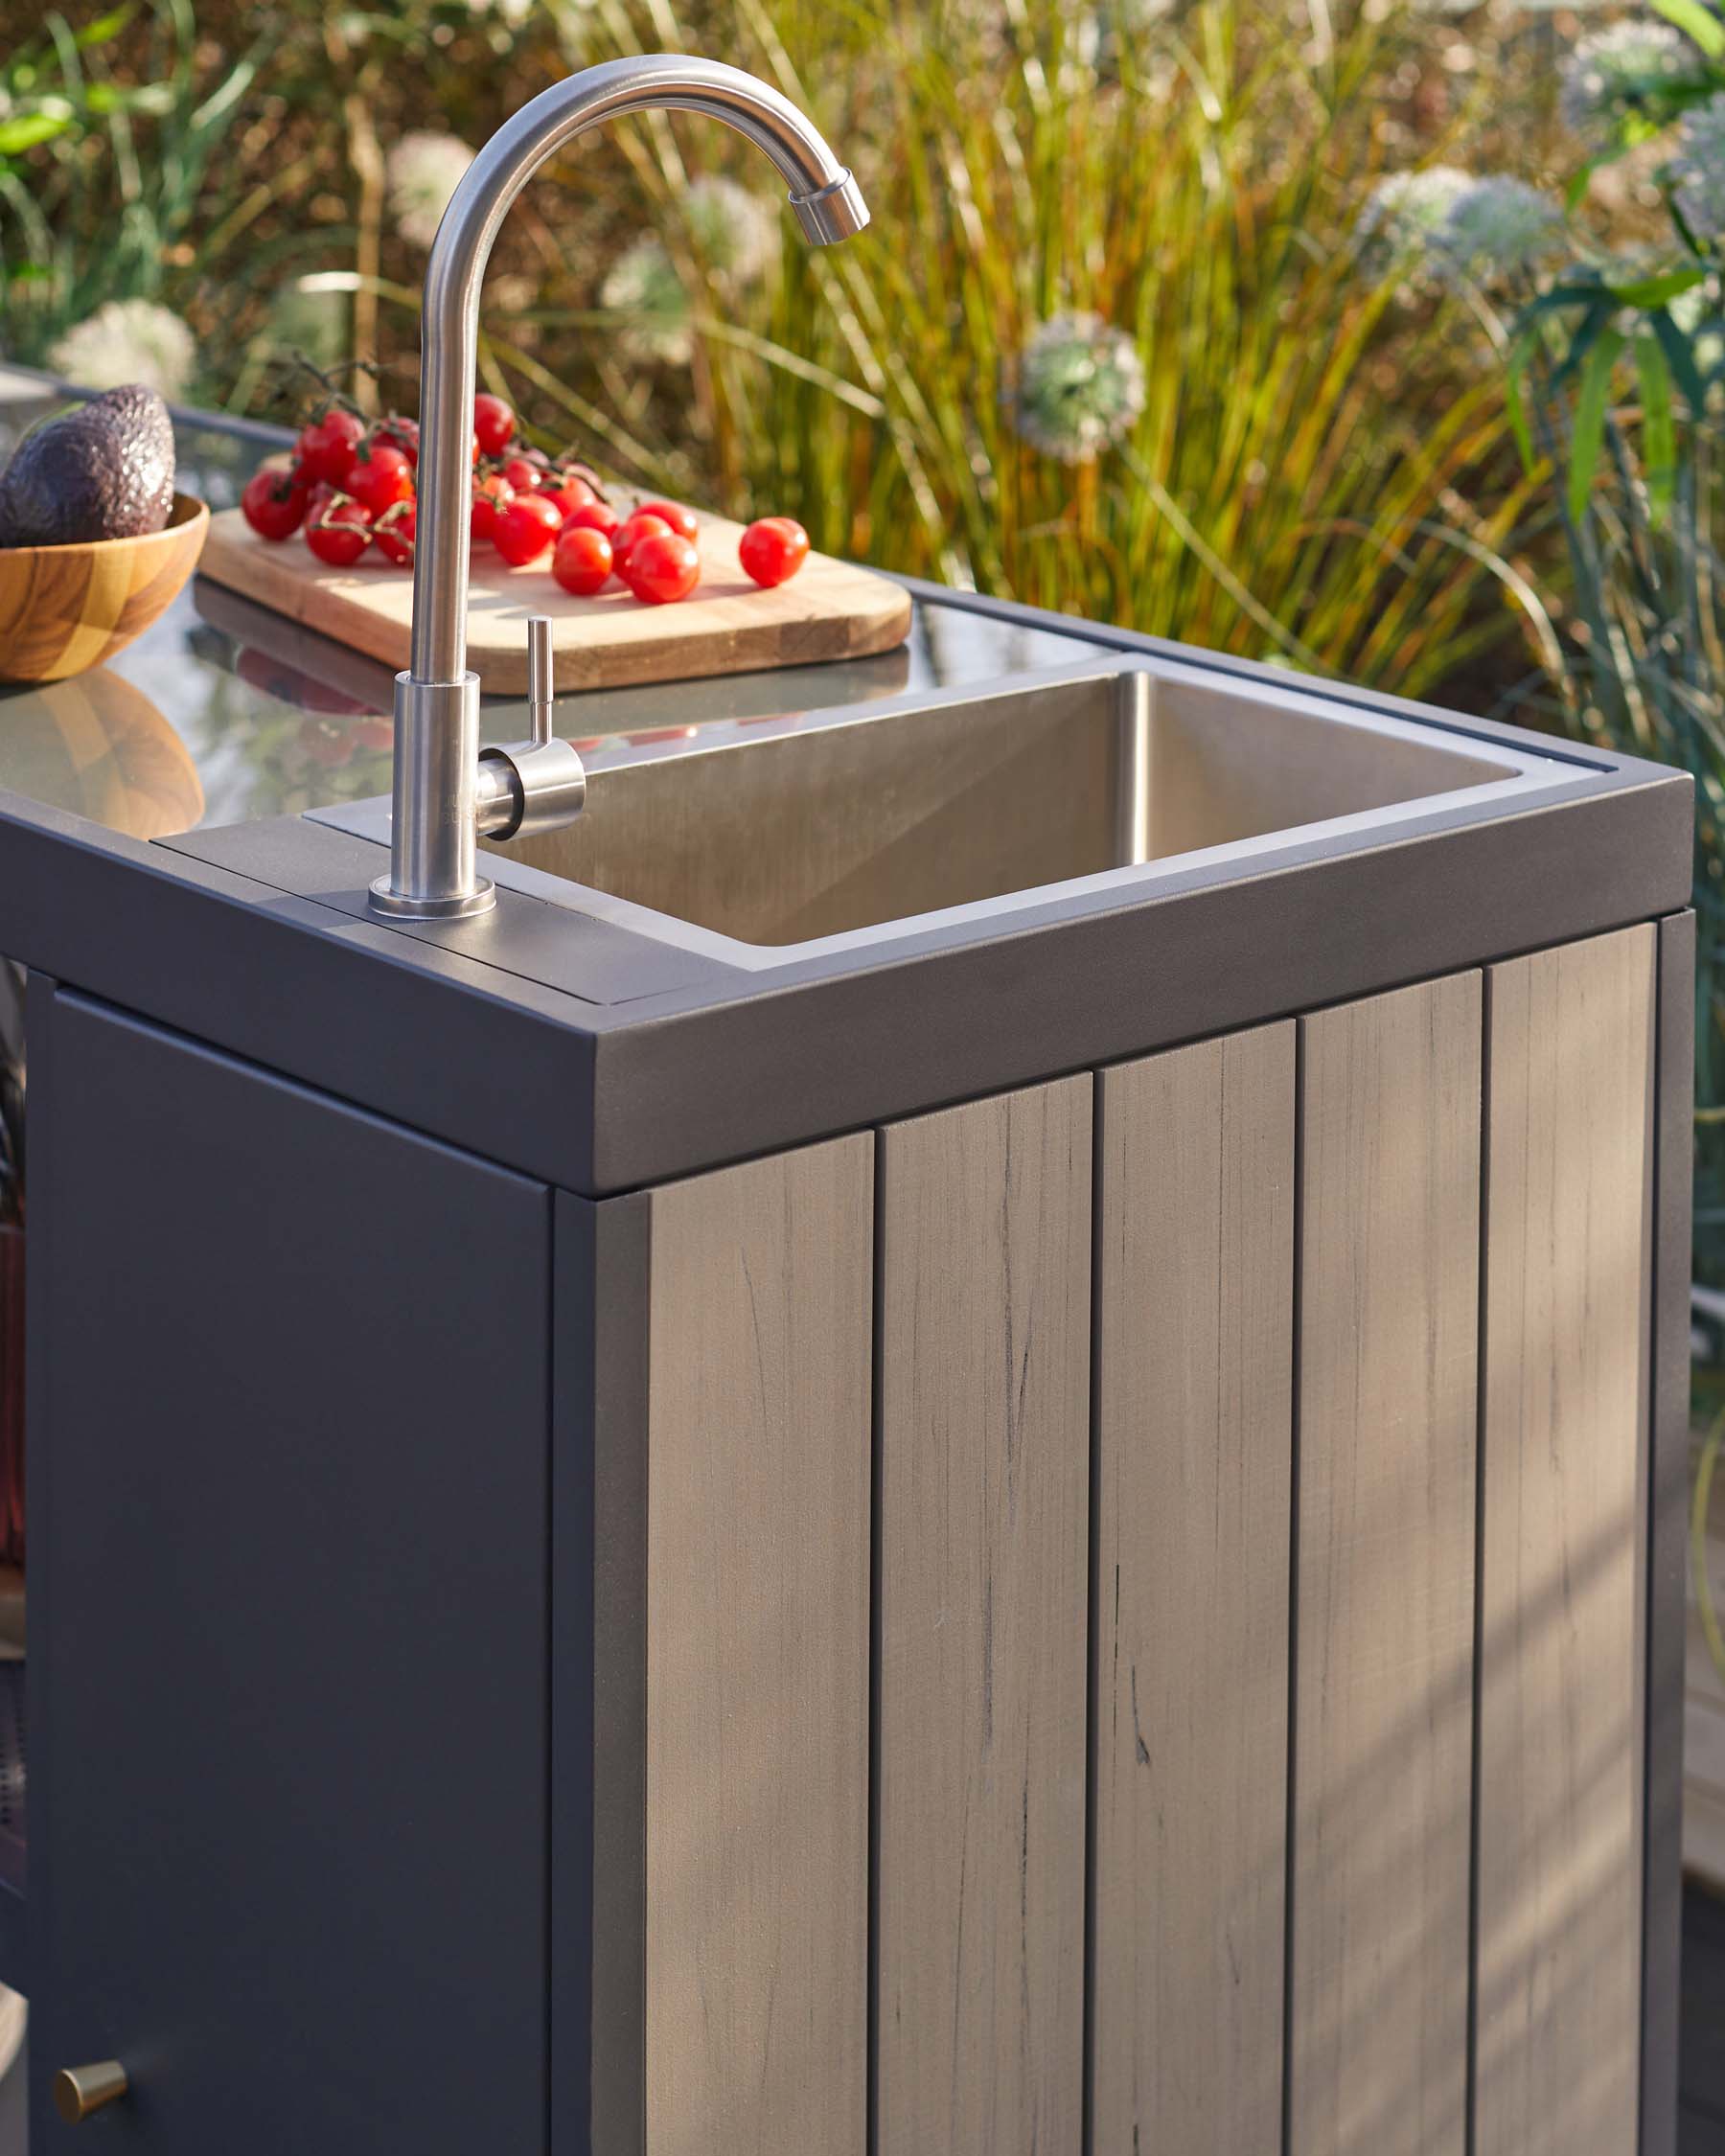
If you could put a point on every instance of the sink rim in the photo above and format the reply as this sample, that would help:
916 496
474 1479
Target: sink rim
1531 777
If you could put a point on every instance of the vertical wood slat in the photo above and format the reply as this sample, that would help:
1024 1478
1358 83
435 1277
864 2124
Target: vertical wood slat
981 1624
1194 1294
1564 1461
757 1658
1384 1617
1663 1812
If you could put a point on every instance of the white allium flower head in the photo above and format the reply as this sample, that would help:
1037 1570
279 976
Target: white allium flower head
125 341
1699 169
1404 212
1495 229
643 283
736 233
1080 387
1611 70
424 171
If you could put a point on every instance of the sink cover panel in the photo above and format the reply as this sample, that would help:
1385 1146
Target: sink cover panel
844 825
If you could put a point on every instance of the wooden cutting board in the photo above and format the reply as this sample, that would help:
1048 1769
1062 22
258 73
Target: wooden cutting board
828 611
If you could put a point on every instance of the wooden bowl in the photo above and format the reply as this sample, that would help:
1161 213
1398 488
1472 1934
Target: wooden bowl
66 607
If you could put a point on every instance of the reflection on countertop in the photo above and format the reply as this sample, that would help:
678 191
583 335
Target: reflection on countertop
225 713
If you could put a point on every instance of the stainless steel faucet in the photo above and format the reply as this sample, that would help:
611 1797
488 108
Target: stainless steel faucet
444 796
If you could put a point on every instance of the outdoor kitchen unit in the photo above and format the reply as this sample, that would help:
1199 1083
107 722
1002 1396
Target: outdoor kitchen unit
962 1429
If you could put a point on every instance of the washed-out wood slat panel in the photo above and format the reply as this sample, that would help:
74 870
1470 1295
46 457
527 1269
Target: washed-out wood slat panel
1569 1279
1194 1293
983 1442
1384 1606
757 1658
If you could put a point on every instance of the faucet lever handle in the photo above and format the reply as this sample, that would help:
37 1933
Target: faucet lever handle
537 783
539 689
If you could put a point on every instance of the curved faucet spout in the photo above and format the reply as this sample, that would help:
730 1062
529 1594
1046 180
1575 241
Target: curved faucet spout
432 872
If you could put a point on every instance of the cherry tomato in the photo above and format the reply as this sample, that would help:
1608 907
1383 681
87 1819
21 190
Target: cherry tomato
663 566
400 434
323 744
326 448
489 496
594 517
525 527
640 526
774 549
568 495
681 520
582 561
380 476
494 424
522 472
274 501
340 534
392 532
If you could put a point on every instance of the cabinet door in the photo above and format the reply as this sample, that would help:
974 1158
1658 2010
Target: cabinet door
288 1580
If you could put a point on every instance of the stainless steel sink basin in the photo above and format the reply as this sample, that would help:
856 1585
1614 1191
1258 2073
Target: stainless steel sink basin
832 823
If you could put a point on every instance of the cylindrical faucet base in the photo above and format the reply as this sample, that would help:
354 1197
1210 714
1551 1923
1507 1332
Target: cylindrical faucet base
432 874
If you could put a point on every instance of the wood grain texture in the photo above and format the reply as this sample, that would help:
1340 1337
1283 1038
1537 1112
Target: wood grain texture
1564 1452
757 1658
63 609
1194 1373
1383 1732
830 609
983 1461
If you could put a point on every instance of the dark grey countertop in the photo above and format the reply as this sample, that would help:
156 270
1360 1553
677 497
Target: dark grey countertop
581 1046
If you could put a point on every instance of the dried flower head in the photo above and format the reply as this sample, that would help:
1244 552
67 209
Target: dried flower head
1080 387
1445 227
1699 167
424 171
735 233
1496 229
643 284
1616 71
125 341
1402 216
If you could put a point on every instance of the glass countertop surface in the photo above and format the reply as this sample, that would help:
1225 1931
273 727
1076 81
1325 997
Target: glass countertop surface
224 712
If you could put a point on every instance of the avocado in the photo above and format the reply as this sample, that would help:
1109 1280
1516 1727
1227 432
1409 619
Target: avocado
103 470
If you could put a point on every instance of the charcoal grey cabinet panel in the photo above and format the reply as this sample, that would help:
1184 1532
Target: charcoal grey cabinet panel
289 1618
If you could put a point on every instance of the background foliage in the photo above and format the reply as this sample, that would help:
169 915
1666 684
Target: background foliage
1307 477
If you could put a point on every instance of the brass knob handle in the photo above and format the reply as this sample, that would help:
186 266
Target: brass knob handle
79 2090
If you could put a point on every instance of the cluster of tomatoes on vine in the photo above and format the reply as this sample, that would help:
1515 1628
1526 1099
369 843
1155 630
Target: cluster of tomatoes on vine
350 485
